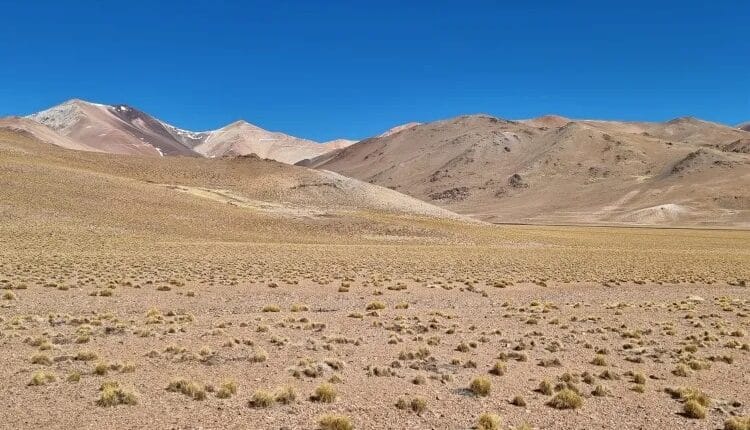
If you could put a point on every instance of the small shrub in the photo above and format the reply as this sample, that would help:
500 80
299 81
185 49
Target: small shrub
545 387
285 395
259 355
681 370
325 393
488 421
600 391
498 369
262 399
227 389
113 395
374 306
566 399
480 386
693 409
599 360
42 378
42 359
737 423
335 422
101 369
189 388
402 403
418 405
86 355
518 401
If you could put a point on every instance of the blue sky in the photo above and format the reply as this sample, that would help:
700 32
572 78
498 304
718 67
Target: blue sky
327 69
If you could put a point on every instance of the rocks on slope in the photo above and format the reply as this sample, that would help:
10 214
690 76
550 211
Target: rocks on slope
553 169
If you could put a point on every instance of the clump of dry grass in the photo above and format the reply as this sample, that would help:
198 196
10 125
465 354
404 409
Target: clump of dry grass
299 307
375 306
488 421
285 395
599 360
101 368
498 369
418 405
600 391
737 423
112 395
480 386
259 355
262 399
86 355
694 409
335 422
518 401
566 399
685 394
227 389
195 390
681 370
545 387
42 377
42 359
325 393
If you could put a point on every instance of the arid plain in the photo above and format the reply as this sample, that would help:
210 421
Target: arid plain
175 292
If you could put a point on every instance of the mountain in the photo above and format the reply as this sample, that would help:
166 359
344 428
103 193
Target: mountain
241 138
52 194
123 129
118 129
35 130
398 128
556 170
744 126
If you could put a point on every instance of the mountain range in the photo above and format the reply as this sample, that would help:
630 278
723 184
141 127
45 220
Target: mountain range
557 170
545 170
123 129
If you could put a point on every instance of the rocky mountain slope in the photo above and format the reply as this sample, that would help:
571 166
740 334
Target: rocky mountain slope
122 129
56 193
555 170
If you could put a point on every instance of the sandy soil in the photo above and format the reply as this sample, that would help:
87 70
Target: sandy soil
175 317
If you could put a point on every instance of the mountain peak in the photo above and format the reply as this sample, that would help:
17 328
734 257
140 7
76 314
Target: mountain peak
240 123
686 120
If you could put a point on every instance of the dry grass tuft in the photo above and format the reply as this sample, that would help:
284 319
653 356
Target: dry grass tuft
335 422
262 399
480 386
566 399
325 393
488 421
112 395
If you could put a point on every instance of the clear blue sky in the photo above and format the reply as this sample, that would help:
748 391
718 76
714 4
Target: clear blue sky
326 69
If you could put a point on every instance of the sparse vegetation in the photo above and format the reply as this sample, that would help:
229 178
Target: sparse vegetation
335 422
566 399
488 421
325 393
480 386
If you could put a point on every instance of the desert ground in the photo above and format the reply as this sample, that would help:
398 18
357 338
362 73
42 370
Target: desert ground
209 333
188 293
